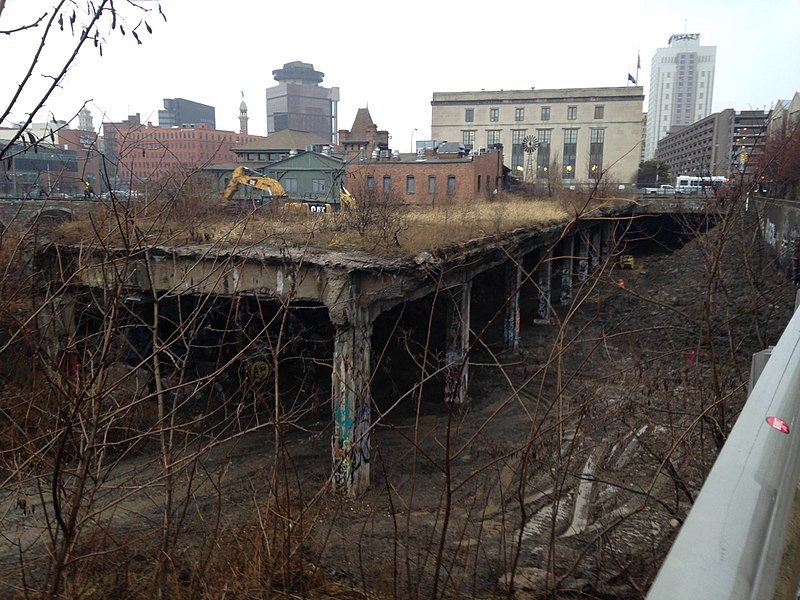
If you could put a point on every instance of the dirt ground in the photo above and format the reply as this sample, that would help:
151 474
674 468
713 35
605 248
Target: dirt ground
575 461
569 469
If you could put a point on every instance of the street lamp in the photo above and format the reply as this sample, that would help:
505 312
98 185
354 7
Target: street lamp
412 139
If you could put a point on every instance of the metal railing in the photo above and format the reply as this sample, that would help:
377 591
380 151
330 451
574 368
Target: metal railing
732 543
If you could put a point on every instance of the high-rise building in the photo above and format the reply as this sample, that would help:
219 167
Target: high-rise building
681 86
179 112
300 103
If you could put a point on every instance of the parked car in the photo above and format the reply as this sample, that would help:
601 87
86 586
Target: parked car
663 190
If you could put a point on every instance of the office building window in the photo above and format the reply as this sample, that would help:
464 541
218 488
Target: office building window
318 186
290 185
494 115
409 184
370 182
543 153
572 113
597 140
599 111
517 152
545 113
431 184
492 137
468 138
451 185
570 153
469 115
519 114
387 183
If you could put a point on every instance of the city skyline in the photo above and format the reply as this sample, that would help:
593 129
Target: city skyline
395 74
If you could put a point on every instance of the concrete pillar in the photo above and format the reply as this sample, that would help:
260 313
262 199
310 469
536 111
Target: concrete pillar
583 257
568 246
511 328
457 353
351 403
607 229
595 244
56 321
544 274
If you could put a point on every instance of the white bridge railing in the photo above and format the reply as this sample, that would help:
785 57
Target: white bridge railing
733 543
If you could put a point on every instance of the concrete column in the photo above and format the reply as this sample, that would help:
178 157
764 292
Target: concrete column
594 249
457 354
56 321
568 246
607 239
583 257
545 274
351 403
511 328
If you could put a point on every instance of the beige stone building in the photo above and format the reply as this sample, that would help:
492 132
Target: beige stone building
576 134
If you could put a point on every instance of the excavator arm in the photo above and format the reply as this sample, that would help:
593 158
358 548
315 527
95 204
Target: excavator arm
243 176
346 199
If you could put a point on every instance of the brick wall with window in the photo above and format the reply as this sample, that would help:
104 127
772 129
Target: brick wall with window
442 181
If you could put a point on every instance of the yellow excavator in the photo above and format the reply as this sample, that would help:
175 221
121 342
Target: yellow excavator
243 176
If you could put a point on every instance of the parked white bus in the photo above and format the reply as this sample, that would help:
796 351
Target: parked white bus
705 185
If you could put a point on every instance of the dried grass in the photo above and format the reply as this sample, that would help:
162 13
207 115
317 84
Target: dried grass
409 230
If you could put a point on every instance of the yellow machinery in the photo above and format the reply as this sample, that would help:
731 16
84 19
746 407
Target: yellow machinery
346 199
243 176
626 261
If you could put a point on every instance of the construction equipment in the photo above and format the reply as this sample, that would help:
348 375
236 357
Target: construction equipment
346 199
243 176
626 261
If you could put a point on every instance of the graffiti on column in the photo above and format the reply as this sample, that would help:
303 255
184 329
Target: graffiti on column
583 270
513 327
594 258
342 428
453 375
566 281
544 296
341 474
361 446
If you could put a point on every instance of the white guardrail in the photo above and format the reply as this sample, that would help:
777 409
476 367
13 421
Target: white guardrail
731 545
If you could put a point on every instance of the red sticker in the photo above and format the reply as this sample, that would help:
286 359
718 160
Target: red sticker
778 424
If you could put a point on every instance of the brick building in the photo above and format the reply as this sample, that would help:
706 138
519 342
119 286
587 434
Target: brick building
446 175
363 138
147 152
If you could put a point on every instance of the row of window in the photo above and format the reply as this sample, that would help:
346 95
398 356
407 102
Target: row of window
318 186
411 184
181 134
519 114
519 158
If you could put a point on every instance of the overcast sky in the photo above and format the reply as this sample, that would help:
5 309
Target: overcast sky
392 57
